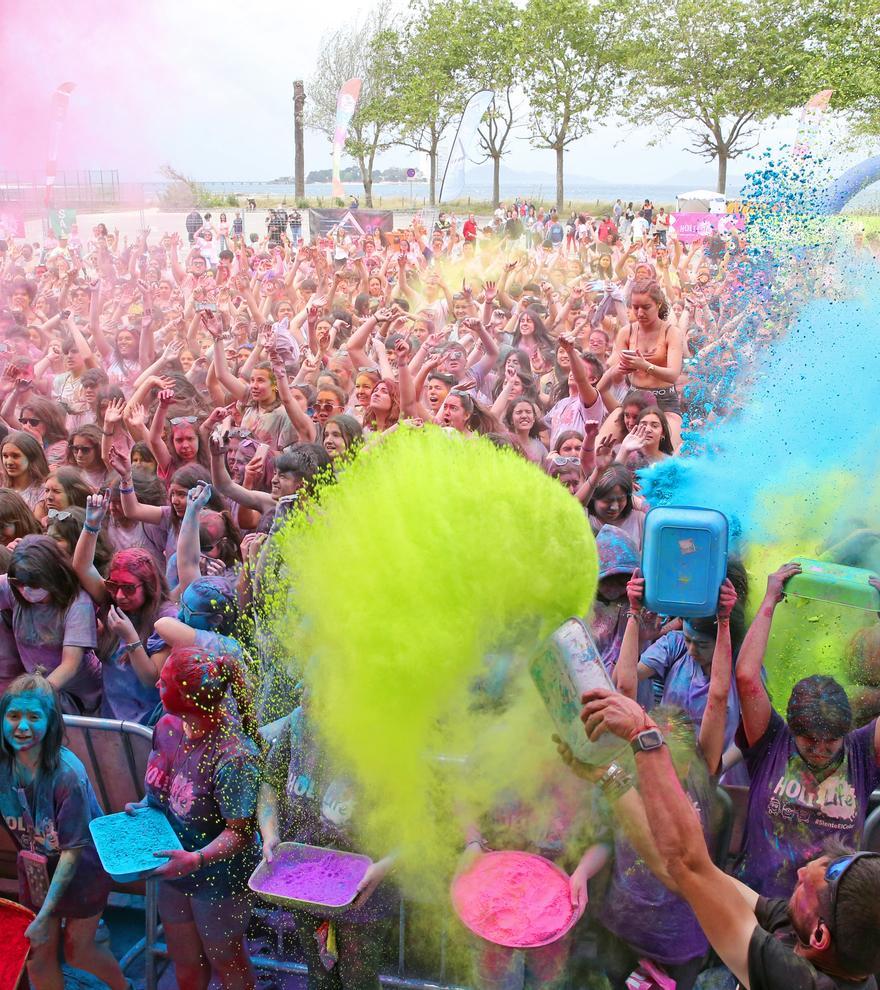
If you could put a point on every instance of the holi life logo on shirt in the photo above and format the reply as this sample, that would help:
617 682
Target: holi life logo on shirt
182 795
796 797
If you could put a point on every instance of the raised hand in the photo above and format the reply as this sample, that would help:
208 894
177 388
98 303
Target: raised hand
199 496
604 454
166 397
635 590
776 581
113 413
490 291
727 599
173 350
120 461
134 416
96 509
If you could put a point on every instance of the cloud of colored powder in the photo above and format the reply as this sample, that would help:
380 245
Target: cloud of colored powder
434 566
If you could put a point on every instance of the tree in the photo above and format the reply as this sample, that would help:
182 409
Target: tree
493 36
718 67
429 88
843 42
571 66
351 52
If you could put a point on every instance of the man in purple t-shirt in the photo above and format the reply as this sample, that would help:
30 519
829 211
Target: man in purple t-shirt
823 938
811 776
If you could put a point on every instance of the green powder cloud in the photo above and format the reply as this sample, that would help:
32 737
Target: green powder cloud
436 562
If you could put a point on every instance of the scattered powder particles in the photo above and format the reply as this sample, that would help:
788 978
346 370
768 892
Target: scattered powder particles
513 898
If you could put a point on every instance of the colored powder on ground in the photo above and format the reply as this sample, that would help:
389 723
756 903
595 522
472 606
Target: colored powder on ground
14 920
327 877
514 899
126 843
432 552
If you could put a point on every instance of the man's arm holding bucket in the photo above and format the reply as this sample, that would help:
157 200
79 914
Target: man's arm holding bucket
723 907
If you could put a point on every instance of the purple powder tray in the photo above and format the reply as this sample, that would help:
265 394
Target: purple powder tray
311 878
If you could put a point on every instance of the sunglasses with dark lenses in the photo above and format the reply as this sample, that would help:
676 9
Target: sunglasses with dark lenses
325 406
124 587
835 872
29 420
59 514
79 448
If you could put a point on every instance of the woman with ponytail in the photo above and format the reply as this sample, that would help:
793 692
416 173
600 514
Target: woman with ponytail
203 772
650 352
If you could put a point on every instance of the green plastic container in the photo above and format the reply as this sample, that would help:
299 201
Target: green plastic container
822 581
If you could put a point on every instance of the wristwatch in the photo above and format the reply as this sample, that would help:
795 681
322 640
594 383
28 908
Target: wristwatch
647 740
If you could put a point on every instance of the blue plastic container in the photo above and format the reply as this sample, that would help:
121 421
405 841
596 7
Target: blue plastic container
684 560
126 843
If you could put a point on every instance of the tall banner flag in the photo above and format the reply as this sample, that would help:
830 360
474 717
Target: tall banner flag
60 100
811 116
463 141
346 101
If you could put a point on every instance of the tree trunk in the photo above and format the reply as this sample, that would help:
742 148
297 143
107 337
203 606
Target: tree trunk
299 167
560 185
722 169
496 181
368 192
432 181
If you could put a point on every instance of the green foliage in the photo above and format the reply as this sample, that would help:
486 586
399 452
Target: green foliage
844 45
717 66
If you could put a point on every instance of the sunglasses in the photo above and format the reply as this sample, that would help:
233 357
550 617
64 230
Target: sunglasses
59 514
561 461
835 872
240 433
29 421
326 406
184 419
372 369
81 448
190 612
123 586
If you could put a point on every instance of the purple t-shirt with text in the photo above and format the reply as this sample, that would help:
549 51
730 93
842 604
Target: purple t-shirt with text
791 814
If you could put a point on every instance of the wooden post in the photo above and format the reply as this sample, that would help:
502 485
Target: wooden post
299 168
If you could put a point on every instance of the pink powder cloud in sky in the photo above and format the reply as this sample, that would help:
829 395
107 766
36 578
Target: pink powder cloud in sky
113 54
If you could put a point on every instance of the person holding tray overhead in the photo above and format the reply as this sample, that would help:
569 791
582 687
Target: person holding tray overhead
46 804
304 799
203 773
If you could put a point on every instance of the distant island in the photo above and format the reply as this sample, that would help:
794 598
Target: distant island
353 174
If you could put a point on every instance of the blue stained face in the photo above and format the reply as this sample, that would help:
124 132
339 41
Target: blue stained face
26 722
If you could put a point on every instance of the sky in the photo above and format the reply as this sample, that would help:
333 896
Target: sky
207 87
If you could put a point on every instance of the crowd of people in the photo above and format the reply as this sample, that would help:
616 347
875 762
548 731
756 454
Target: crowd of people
165 403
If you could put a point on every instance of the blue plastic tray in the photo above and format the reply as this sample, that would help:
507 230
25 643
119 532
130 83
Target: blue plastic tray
126 843
684 560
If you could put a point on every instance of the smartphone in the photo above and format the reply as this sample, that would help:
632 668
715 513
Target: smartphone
262 450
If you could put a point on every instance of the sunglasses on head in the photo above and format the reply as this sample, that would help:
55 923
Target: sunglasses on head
125 587
371 369
184 419
835 872
29 420
59 515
